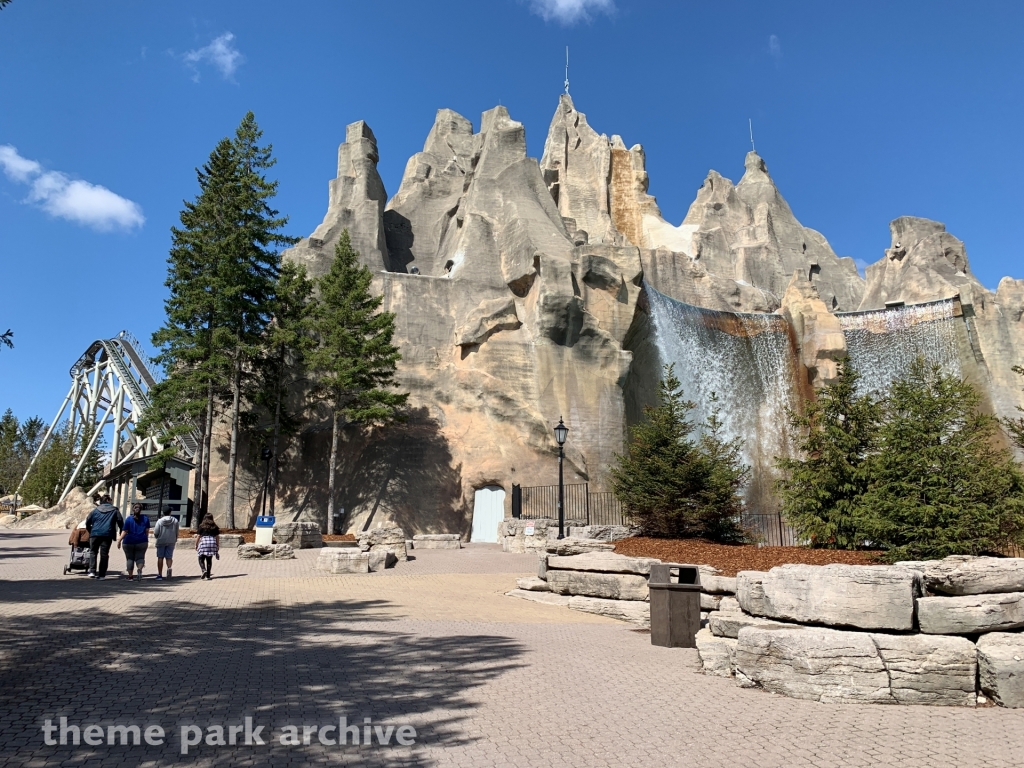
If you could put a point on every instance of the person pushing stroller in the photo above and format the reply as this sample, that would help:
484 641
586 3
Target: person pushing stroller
103 524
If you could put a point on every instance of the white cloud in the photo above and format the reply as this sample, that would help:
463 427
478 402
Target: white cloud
221 53
774 47
72 199
570 11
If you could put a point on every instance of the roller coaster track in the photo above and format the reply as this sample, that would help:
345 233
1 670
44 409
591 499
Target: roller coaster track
110 386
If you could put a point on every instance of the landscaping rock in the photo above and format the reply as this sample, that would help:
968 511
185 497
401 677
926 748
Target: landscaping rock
575 546
602 562
634 611
188 543
925 669
437 541
343 561
343 544
730 604
6 521
231 540
390 538
1001 668
750 592
613 586
540 597
729 623
513 538
971 614
862 596
300 535
966 575
710 602
542 567
603 532
716 653
378 560
533 584
265 552
717 585
836 666
825 665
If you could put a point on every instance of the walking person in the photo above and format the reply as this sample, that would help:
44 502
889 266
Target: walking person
166 534
208 545
103 524
134 541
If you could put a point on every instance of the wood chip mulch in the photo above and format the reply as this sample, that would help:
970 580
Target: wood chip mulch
733 558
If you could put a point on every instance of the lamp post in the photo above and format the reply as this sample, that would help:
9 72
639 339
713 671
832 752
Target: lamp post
266 454
561 432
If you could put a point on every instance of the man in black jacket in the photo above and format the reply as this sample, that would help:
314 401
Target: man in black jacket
103 524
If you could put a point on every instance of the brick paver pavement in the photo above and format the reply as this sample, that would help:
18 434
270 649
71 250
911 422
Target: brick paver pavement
485 680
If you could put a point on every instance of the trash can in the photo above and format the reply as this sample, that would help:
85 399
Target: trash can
265 529
675 605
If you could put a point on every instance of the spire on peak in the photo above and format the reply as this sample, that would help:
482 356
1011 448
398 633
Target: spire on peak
756 169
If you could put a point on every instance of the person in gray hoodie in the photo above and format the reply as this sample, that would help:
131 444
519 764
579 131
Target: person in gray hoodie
103 524
166 533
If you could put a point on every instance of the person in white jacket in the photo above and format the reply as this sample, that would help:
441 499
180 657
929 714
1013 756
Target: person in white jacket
166 535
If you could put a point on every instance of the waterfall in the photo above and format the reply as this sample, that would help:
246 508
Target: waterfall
883 343
748 362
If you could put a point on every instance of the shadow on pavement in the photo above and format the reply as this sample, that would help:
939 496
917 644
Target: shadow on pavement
174 662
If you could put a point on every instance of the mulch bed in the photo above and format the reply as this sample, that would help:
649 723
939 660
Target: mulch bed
733 558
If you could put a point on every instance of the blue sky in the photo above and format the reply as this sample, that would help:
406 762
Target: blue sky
864 112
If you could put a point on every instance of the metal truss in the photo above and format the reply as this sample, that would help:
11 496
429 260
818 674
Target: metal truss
110 386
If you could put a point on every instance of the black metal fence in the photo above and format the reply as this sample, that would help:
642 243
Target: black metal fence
768 530
603 508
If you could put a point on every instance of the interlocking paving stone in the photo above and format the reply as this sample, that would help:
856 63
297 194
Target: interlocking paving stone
486 680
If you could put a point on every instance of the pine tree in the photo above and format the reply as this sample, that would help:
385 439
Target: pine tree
354 359
940 485
287 344
673 485
18 444
52 470
1016 426
821 490
222 271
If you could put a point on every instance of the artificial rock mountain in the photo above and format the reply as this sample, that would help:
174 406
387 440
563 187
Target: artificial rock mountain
519 294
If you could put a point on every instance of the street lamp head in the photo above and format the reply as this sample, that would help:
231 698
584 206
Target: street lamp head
561 432
266 454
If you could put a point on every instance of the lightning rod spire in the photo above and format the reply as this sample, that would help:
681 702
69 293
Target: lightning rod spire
751 123
567 70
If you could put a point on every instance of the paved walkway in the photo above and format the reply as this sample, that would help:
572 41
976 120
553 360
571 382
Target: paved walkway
484 680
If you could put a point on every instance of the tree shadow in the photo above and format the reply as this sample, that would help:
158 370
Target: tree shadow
401 474
173 663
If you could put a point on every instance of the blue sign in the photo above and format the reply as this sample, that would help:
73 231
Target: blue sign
265 521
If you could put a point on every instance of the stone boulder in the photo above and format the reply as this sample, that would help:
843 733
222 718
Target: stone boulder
633 611
729 623
389 538
577 546
714 584
379 559
835 666
513 536
67 514
186 543
966 575
710 602
532 584
862 596
265 552
437 541
299 535
971 614
603 532
343 561
1001 668
231 540
548 598
716 653
6 521
612 586
729 604
602 562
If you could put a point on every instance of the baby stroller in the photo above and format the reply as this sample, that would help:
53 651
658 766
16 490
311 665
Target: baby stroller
79 542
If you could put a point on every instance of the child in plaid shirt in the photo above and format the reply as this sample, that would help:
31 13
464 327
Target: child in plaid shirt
208 545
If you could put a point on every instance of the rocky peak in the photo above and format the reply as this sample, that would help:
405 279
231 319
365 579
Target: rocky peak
756 170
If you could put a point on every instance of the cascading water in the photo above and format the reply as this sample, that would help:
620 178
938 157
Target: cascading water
883 343
748 362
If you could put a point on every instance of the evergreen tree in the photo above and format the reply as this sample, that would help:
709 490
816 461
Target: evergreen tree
821 490
354 359
7 339
222 270
1016 426
673 485
18 444
52 470
288 342
940 485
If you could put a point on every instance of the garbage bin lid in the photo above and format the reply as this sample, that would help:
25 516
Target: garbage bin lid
662 573
265 521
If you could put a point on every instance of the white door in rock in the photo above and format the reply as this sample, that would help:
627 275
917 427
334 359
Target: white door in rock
488 511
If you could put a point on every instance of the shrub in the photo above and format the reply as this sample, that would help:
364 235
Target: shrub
673 485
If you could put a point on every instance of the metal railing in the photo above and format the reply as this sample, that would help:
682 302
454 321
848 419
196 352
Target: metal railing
580 504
